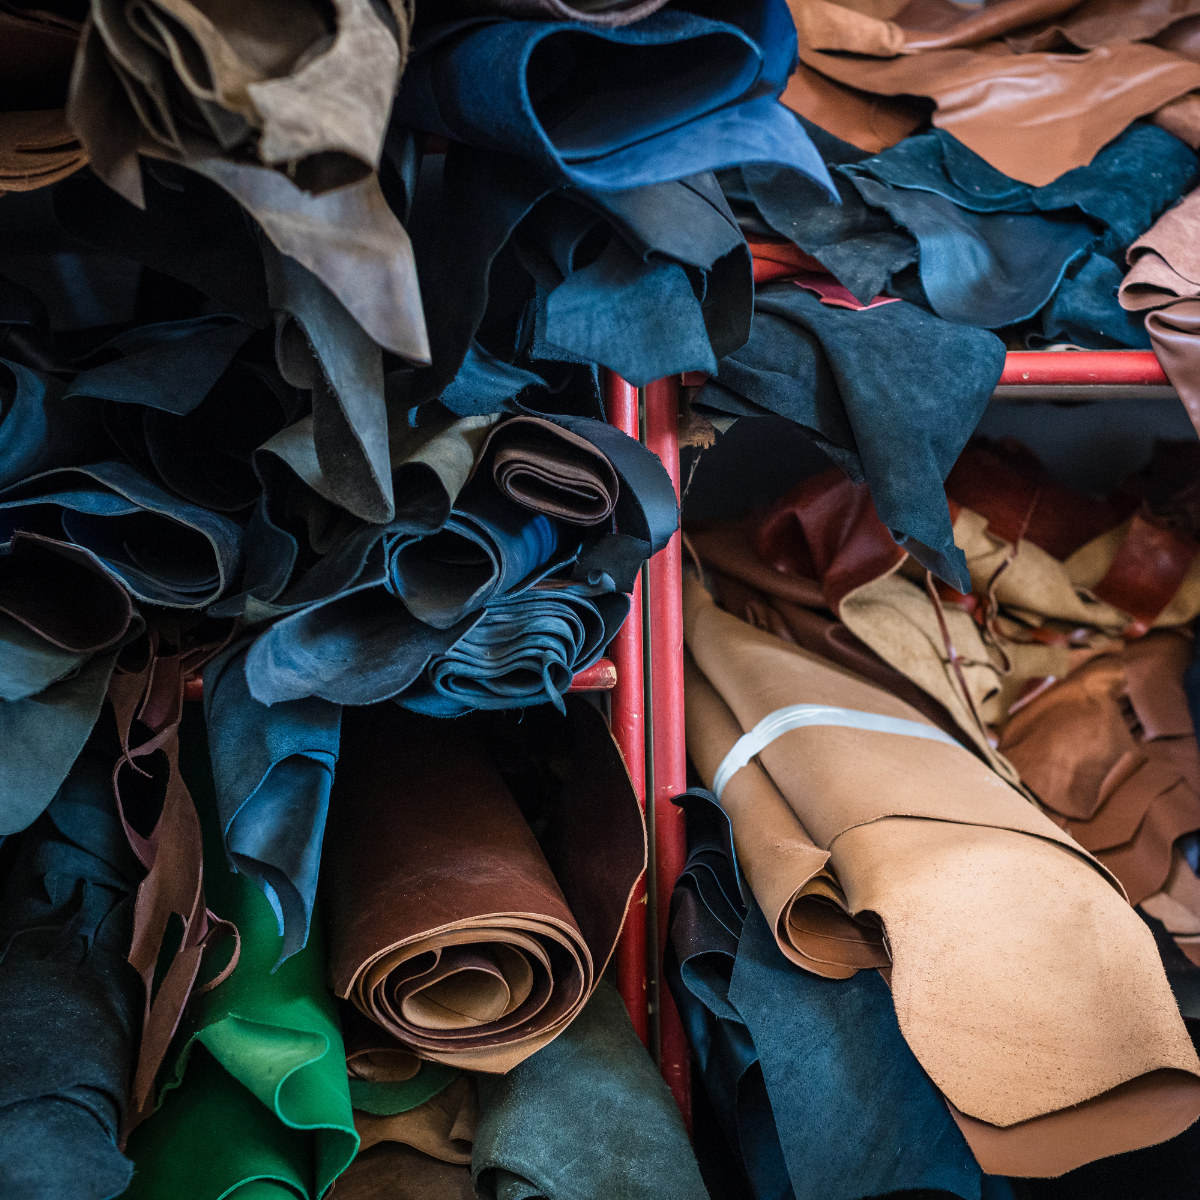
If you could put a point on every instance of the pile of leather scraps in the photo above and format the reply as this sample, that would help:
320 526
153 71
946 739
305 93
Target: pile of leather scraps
889 757
302 313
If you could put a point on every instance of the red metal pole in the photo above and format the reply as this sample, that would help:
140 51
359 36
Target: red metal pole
1129 367
629 730
670 752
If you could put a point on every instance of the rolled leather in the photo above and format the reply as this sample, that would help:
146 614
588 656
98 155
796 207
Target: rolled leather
482 974
544 467
63 620
37 146
162 549
905 819
593 127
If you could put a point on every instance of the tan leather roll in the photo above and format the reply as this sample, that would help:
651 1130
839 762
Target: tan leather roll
448 924
1023 981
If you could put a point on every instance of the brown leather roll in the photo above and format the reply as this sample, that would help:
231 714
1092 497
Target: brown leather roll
551 470
448 924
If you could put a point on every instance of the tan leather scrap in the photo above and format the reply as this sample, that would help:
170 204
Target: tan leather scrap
1026 986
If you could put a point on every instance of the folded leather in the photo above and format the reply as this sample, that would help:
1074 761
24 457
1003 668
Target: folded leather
257 1090
272 771
63 619
705 96
164 550
587 1115
291 126
1164 281
394 1171
500 965
71 1001
890 853
1033 116
818 1046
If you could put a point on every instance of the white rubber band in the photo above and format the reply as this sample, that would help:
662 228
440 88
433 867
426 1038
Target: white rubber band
799 715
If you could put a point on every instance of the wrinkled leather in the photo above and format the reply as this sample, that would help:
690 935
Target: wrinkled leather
588 1115
257 1088
885 847
483 974
1111 752
393 1171
71 1002
1164 275
1032 116
705 97
163 550
63 619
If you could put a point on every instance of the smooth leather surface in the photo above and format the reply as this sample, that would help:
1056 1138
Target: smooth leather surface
484 974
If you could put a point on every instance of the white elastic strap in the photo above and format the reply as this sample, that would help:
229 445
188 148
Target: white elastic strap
799 715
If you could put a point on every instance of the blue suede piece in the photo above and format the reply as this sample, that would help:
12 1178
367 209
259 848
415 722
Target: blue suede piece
524 651
515 269
1129 183
834 372
993 250
833 1047
1084 310
272 770
41 426
72 1004
489 547
171 365
806 1074
670 95
164 550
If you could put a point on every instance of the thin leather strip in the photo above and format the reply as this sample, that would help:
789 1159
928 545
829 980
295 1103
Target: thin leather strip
500 966
756 674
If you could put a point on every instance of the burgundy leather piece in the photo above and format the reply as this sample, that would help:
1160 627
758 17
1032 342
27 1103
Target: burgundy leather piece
827 528
149 700
39 573
1032 116
391 1171
1175 335
870 122
1148 570
817 633
942 24
548 469
724 548
448 924
1004 482
1111 752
